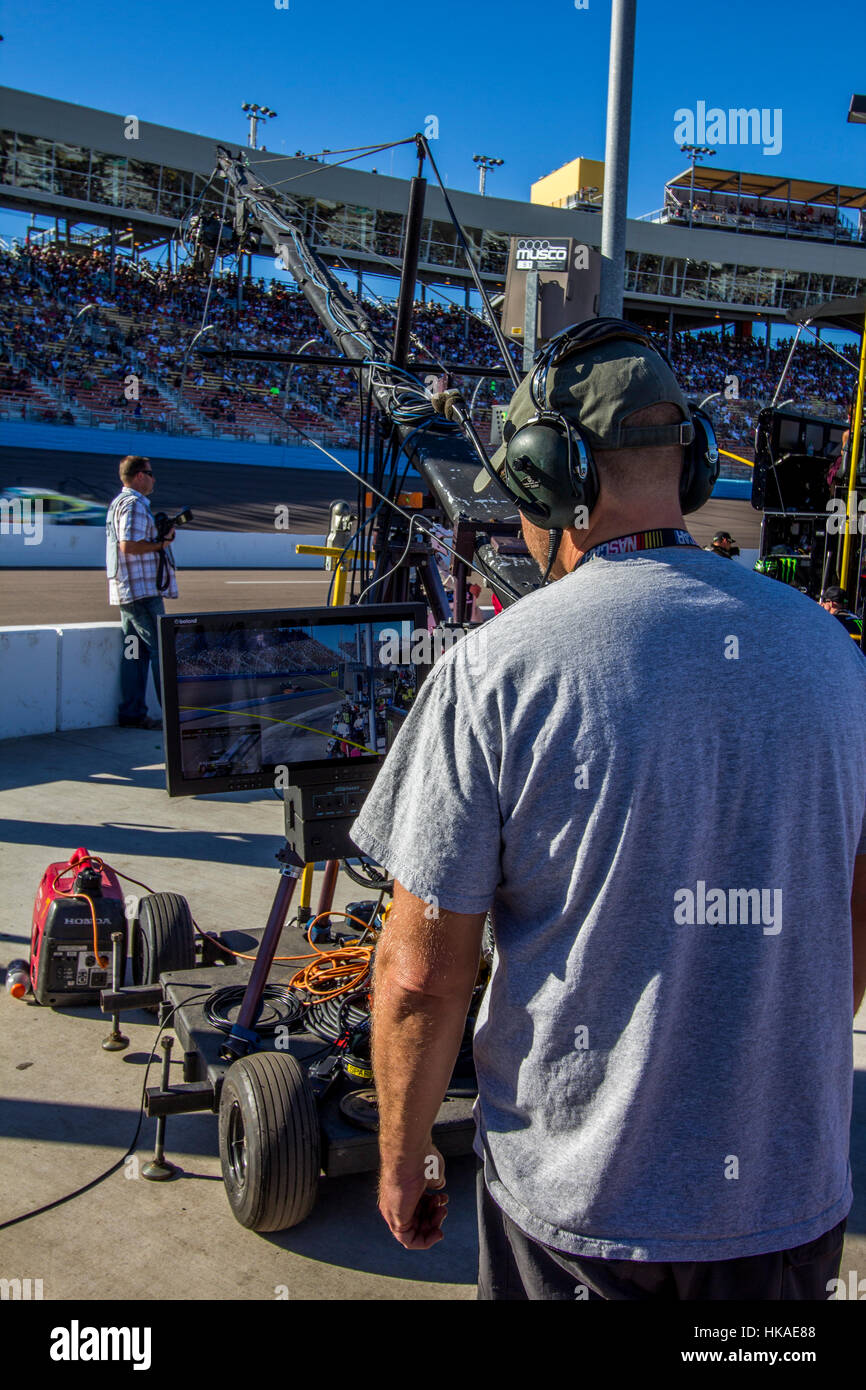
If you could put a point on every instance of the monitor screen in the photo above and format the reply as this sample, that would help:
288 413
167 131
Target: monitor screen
813 442
789 435
248 694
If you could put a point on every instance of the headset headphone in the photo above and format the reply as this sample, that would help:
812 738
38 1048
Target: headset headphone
549 466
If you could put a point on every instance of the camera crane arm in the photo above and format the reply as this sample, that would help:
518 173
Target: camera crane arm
358 340
444 457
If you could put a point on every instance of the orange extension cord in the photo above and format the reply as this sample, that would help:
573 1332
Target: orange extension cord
349 964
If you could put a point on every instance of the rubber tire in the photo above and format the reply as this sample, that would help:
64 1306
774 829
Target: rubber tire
163 937
269 1094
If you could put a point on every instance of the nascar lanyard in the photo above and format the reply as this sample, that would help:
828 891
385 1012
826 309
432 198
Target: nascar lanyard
640 540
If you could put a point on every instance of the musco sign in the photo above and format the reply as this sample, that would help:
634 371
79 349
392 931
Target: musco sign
541 253
569 274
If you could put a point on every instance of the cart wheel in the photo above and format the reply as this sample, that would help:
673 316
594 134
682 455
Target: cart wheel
163 937
269 1141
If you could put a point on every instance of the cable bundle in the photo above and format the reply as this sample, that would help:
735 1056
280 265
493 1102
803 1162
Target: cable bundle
333 1017
339 970
286 1008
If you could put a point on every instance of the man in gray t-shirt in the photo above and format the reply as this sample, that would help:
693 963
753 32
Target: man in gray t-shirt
633 771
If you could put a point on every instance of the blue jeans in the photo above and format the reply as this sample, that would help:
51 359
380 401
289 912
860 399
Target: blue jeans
138 621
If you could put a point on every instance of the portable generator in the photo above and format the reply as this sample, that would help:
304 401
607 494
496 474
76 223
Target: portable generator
78 906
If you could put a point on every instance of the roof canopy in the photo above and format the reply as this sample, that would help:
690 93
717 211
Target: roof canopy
710 179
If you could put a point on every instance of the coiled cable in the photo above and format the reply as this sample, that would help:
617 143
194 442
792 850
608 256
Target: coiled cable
285 1008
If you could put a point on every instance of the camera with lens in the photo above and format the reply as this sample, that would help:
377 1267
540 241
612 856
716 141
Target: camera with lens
165 524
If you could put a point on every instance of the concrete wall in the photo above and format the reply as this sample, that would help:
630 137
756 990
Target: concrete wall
68 677
28 664
83 547
61 678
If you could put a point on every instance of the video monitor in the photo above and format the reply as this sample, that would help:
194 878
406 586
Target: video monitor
789 436
245 694
813 438
792 453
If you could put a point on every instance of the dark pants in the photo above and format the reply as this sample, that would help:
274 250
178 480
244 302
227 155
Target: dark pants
138 621
511 1265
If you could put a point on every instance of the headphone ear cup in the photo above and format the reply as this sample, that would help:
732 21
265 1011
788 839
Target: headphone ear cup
701 464
538 474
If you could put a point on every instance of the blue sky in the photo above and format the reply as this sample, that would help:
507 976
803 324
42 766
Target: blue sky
523 82
526 83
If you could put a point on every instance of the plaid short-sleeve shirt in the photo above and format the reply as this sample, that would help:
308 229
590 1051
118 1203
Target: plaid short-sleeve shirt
133 577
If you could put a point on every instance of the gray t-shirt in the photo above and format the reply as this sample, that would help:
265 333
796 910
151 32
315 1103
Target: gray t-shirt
653 773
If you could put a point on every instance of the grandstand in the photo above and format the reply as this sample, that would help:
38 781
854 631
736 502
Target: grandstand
97 336
141 331
764 204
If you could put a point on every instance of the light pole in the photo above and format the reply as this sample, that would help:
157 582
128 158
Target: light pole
616 151
484 163
695 153
256 113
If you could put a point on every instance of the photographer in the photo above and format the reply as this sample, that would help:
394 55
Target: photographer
664 1066
141 574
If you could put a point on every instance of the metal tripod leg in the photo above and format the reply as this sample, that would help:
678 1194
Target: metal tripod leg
322 930
242 1038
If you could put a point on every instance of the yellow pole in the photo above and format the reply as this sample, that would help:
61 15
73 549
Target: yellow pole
341 574
338 593
306 895
852 518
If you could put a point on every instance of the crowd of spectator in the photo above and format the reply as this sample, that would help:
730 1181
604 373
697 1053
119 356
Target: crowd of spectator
747 376
127 359
720 209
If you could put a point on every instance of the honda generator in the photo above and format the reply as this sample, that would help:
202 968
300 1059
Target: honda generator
78 906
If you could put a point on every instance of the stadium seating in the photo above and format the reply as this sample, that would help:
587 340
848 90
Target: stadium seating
126 361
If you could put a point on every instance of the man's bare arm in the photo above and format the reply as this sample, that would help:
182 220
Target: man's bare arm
858 929
426 967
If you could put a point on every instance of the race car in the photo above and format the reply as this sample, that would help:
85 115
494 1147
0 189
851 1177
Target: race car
57 507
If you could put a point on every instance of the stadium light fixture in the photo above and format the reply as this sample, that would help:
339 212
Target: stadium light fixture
695 153
484 162
256 113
